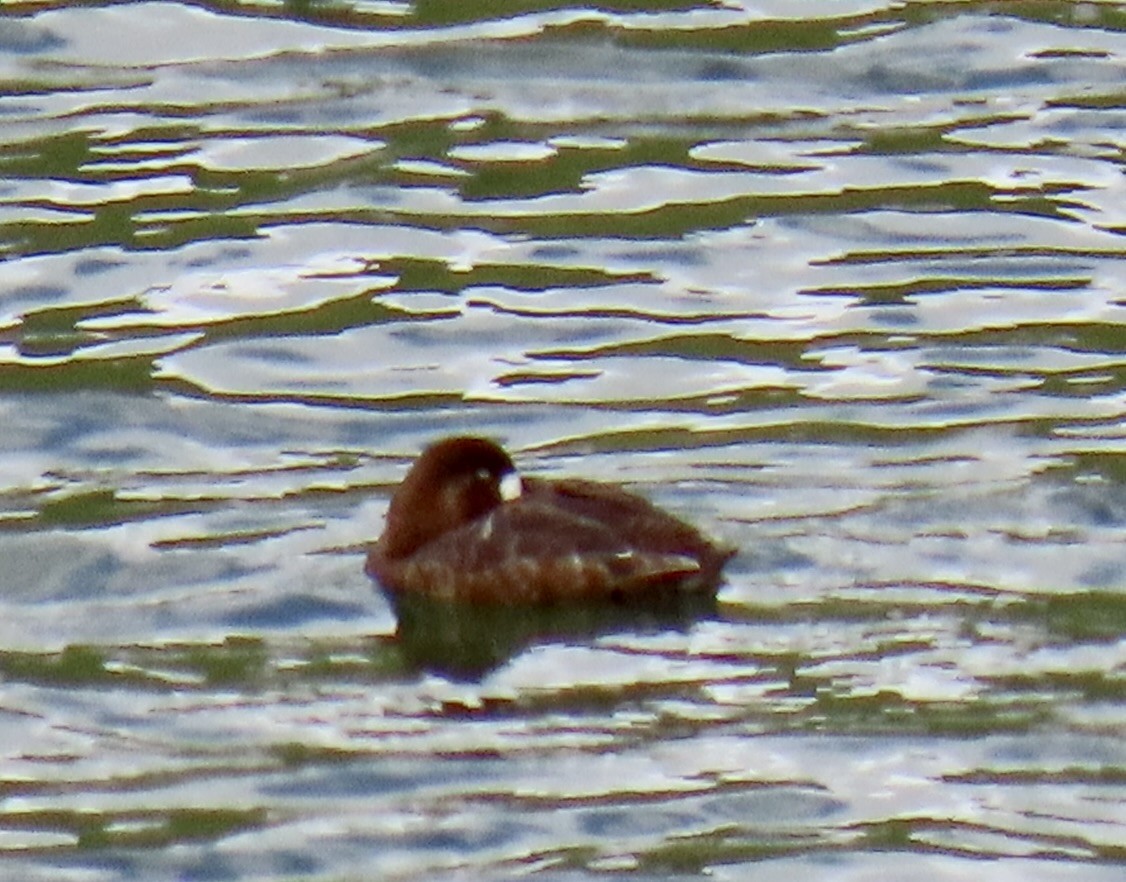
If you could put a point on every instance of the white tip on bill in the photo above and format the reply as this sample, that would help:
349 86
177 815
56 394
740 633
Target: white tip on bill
511 486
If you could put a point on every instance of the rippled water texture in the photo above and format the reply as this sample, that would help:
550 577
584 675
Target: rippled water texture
848 292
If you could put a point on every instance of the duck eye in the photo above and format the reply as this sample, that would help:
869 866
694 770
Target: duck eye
483 474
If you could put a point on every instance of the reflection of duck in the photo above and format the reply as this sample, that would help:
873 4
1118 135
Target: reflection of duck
467 640
464 527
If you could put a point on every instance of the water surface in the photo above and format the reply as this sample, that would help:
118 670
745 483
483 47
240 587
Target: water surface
846 291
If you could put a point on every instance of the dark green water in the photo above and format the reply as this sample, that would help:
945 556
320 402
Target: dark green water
848 292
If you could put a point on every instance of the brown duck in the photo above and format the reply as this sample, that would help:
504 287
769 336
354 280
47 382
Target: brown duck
464 526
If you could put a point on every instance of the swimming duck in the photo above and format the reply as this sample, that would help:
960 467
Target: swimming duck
464 526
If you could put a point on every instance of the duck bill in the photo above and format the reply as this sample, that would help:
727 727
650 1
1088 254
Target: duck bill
511 486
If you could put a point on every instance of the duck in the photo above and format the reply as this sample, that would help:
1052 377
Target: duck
465 527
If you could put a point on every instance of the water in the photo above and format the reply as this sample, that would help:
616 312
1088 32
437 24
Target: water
847 292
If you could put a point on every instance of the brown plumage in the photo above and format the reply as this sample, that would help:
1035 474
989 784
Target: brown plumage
451 534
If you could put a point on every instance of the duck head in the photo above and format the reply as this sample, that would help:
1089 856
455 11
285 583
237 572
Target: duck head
453 482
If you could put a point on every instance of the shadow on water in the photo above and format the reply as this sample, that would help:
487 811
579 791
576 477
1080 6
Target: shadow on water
466 641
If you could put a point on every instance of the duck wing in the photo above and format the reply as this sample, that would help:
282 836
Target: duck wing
560 541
